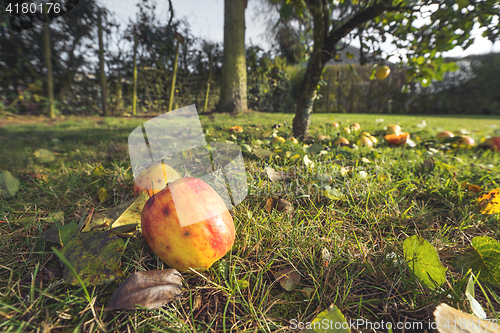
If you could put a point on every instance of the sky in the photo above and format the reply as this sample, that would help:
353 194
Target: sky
206 19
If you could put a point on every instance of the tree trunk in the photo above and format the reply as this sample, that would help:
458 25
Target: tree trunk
48 57
101 66
324 50
308 91
234 72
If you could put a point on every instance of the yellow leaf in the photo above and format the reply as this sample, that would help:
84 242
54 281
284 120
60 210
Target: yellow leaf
473 188
98 171
490 202
103 195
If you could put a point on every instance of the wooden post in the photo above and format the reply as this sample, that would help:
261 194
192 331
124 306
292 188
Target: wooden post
172 89
48 56
134 96
101 65
208 85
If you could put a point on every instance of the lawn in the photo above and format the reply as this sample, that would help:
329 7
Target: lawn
347 244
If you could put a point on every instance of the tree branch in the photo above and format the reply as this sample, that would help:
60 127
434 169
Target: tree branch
337 33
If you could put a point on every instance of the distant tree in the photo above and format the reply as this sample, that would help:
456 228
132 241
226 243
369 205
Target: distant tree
422 28
234 73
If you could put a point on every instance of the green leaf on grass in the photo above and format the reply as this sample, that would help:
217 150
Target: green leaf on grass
332 193
423 260
95 256
245 148
9 185
44 156
485 259
334 319
262 153
61 235
313 149
56 217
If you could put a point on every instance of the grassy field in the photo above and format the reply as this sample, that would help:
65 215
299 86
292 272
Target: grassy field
388 196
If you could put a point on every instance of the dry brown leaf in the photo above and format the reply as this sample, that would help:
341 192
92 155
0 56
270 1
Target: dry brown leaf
276 176
279 204
450 320
151 289
288 278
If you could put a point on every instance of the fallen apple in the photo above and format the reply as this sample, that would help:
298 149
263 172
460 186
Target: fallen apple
154 179
346 130
187 225
464 140
294 140
492 143
365 142
382 72
445 134
335 124
341 141
279 139
323 138
393 129
397 140
355 127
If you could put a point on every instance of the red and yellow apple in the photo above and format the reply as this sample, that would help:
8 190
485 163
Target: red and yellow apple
153 179
492 143
346 130
464 140
335 124
187 225
355 127
445 134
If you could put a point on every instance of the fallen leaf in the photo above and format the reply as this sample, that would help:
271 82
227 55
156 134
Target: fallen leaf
279 204
429 164
60 235
476 308
484 259
9 185
98 171
236 129
102 220
262 153
326 256
449 320
307 292
331 193
330 315
245 148
276 176
103 195
44 156
132 215
288 278
422 258
56 217
95 256
150 289
308 162
490 202
125 230
473 188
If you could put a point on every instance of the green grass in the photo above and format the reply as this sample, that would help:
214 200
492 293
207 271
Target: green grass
364 232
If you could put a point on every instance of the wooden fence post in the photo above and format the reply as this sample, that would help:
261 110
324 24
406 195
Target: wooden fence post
172 90
134 93
208 85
